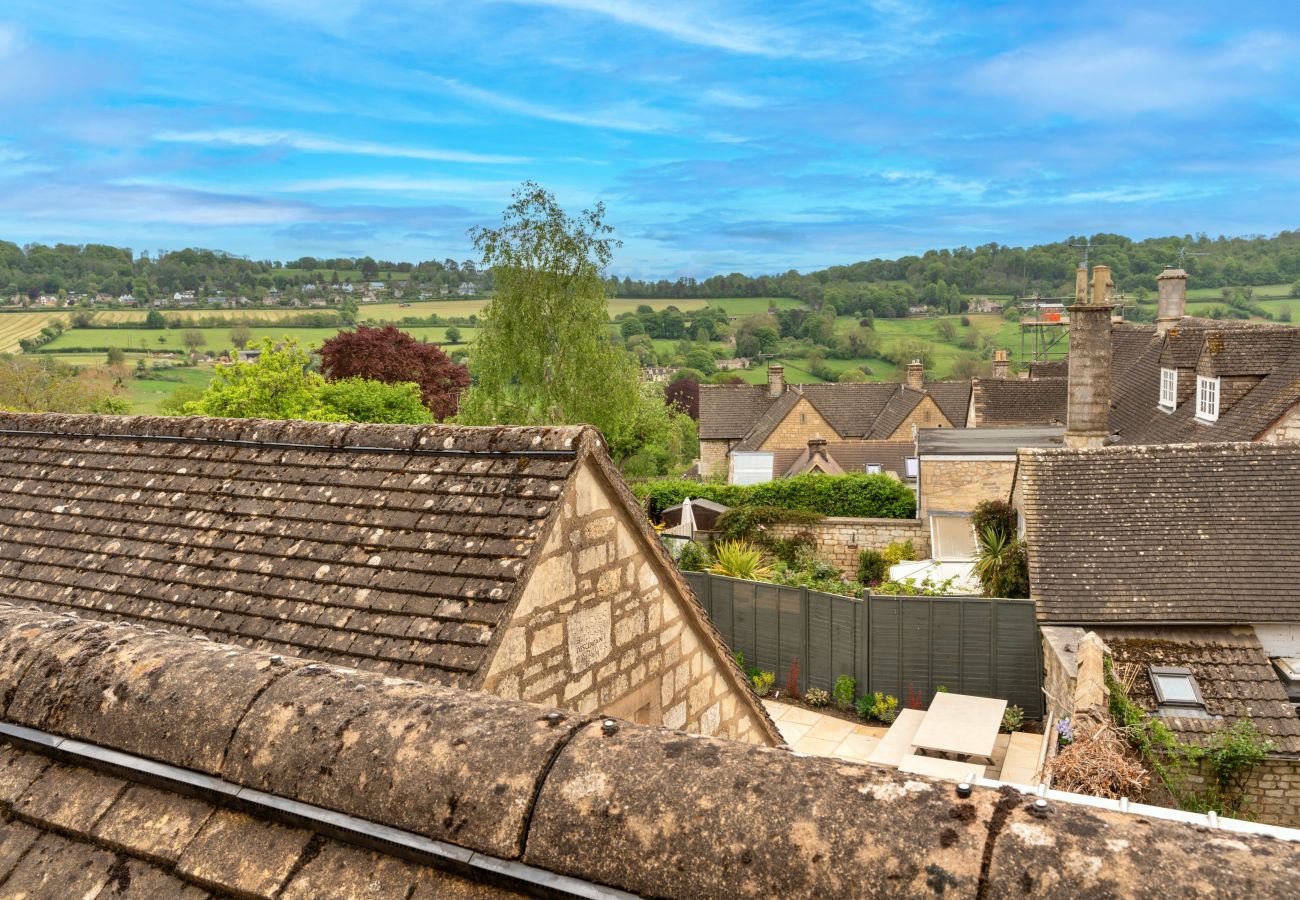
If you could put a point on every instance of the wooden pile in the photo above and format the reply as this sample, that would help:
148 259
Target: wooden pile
1099 762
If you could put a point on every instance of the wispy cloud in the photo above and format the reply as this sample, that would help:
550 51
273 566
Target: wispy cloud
632 116
253 137
402 185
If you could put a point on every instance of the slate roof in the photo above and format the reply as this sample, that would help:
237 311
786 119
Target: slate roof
393 548
850 456
1000 402
1180 533
745 413
1230 667
293 780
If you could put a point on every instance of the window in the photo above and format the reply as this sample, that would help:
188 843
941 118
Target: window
1175 686
873 468
1168 388
912 467
1207 398
952 537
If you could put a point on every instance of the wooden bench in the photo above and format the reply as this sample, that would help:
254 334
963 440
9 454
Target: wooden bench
940 768
897 741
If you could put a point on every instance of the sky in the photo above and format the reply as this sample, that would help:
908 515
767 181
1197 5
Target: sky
721 136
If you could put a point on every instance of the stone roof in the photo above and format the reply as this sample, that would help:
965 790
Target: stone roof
745 413
1000 402
849 456
1201 533
1231 669
290 779
393 548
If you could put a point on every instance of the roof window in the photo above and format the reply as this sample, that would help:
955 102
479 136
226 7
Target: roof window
1175 686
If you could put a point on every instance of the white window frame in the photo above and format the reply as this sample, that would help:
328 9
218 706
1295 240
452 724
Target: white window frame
875 469
1207 398
940 546
1168 388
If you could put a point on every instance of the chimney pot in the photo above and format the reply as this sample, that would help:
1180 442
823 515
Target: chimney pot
775 381
916 375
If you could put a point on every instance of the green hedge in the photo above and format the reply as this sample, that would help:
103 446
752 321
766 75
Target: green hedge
860 496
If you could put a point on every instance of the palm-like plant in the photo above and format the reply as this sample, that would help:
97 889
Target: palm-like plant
740 559
1002 566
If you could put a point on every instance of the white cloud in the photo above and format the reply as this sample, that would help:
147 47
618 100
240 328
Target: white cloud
633 117
385 184
253 137
1108 73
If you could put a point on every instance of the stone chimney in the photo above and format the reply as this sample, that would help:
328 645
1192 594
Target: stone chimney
1172 284
816 446
1081 284
1088 412
916 375
1001 364
775 381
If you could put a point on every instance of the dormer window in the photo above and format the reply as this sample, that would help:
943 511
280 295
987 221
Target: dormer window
1168 388
1207 398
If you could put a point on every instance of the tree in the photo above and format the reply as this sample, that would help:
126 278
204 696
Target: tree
1295 288
240 335
44 385
453 335
155 320
278 385
365 400
702 360
116 356
683 392
390 355
193 339
543 353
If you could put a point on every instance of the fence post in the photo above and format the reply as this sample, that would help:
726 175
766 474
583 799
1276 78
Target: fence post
805 614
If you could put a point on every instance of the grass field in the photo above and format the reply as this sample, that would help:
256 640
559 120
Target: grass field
215 339
147 394
16 326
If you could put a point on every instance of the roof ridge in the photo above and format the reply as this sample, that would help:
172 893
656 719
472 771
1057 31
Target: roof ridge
438 438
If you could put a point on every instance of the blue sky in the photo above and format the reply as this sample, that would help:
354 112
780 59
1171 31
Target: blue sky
722 136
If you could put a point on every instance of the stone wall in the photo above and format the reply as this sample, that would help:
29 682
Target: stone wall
801 424
713 458
956 485
601 627
1060 667
837 541
1286 428
926 415
1273 791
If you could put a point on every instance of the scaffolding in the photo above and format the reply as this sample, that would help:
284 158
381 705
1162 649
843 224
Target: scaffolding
1044 326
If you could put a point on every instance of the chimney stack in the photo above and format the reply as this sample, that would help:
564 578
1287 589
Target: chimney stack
1172 305
916 375
775 381
817 446
1088 412
1001 364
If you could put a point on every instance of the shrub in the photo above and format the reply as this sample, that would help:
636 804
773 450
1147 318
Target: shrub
739 559
897 552
913 698
996 514
879 705
863 705
845 687
1013 718
792 680
817 697
858 495
763 682
693 557
871 567
1003 564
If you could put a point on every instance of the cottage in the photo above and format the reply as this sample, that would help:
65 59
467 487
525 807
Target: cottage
288 779
1184 560
743 426
511 560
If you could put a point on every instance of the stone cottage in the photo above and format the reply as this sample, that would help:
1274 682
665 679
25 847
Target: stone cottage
512 560
302 781
1183 559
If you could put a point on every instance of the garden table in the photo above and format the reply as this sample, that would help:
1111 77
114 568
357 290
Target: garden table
960 724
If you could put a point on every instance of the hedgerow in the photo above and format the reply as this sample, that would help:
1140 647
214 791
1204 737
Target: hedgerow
857 495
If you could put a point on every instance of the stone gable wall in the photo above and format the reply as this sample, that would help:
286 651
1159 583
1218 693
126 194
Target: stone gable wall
837 541
1286 428
599 628
926 415
713 458
801 424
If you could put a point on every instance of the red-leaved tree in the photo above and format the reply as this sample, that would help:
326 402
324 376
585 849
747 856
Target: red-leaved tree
684 393
390 355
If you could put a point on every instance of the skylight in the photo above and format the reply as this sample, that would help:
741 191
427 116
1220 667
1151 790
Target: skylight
1175 686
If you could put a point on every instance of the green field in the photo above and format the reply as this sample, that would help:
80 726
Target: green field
142 340
147 394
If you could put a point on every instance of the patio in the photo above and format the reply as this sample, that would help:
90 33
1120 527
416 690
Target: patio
1014 757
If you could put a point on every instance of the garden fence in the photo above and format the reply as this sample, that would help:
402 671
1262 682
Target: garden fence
988 647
